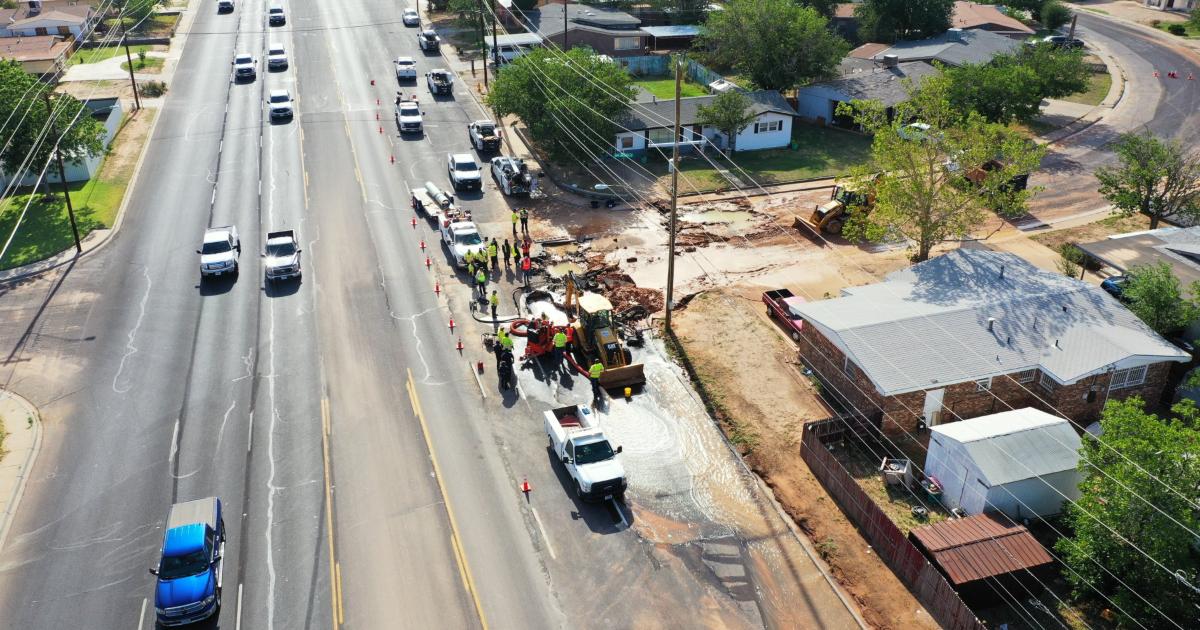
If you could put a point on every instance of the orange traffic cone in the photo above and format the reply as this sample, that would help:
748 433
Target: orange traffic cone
525 487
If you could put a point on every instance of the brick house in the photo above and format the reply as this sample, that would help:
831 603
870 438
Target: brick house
975 332
606 31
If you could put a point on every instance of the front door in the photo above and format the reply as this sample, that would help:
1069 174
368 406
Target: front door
933 406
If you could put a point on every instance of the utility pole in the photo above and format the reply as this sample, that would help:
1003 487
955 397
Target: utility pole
62 171
565 47
137 102
495 48
483 43
1071 33
674 199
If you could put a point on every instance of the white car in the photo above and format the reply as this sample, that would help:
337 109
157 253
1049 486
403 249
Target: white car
276 57
411 18
406 69
408 117
243 67
280 104
275 16
464 171
219 251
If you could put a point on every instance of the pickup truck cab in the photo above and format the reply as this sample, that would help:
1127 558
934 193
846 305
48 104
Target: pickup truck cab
224 6
276 57
579 443
406 69
428 40
463 171
440 81
408 117
462 237
411 18
484 136
243 67
511 175
781 306
219 251
282 256
190 565
275 15
280 104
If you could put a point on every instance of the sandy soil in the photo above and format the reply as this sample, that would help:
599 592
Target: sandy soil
752 398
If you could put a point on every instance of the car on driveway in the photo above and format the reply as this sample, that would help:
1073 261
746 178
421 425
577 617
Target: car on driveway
406 69
411 18
463 171
280 104
1115 286
243 67
276 57
275 16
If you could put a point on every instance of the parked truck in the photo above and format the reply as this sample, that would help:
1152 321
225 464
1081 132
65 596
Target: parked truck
511 175
461 237
781 306
190 563
440 82
590 460
282 256
484 136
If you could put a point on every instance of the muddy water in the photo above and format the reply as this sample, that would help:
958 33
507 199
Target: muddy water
560 270
734 220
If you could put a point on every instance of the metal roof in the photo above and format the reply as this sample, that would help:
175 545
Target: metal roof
928 325
1015 445
1178 247
517 39
981 546
678 30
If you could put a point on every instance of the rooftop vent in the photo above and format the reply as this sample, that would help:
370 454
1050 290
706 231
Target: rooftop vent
954 34
891 61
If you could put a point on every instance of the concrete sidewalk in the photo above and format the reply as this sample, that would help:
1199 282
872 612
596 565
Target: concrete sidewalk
22 440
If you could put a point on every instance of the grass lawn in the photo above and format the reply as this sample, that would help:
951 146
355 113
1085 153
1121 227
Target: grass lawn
1192 30
664 87
94 55
822 152
1098 86
149 64
153 26
46 230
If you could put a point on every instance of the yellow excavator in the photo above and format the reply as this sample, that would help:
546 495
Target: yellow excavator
596 336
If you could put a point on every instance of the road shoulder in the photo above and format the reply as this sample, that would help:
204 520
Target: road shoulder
22 427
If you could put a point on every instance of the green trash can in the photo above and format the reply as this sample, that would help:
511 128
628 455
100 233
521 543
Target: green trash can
795 146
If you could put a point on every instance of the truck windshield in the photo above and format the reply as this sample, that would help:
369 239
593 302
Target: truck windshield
468 239
410 110
592 453
465 166
175 567
486 130
281 249
217 247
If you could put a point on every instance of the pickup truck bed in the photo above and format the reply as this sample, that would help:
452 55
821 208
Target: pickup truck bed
780 304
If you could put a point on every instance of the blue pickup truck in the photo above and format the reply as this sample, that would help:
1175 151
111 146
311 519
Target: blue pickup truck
189 567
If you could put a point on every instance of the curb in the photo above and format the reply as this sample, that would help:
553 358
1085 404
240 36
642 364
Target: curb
10 509
1191 44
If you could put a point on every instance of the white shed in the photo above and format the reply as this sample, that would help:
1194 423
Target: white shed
1020 462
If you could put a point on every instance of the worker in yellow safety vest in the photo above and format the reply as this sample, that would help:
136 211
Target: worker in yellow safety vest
515 217
494 300
594 373
560 345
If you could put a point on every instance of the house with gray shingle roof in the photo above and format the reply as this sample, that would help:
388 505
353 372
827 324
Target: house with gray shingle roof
648 125
975 332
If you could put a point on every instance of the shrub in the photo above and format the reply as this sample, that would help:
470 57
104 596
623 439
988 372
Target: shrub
1194 17
153 89
1177 29
1054 14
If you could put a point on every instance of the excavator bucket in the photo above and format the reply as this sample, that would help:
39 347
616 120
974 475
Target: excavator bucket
625 376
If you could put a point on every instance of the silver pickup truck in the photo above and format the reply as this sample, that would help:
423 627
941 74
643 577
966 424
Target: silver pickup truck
219 252
282 257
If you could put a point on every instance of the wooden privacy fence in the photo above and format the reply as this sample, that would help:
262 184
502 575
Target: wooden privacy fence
905 560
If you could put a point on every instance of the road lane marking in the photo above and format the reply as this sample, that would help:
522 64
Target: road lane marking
142 615
478 381
464 569
542 529
174 442
250 433
334 566
237 624
325 415
341 616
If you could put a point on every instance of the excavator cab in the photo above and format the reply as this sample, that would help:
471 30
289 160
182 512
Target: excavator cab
830 216
597 336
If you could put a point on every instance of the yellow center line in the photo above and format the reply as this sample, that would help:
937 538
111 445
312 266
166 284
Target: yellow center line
464 569
335 569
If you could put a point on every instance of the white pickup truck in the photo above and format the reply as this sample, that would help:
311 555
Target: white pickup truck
579 443
219 251
282 256
461 237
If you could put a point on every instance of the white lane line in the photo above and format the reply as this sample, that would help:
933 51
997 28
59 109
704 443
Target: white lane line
237 624
142 615
617 507
250 433
542 529
174 442
478 382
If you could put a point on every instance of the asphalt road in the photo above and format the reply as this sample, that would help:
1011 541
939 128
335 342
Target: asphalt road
370 480
1166 107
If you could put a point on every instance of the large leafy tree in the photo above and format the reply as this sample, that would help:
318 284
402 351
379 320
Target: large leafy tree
1139 476
1011 87
1155 296
1152 177
564 98
22 101
777 44
892 20
729 113
939 182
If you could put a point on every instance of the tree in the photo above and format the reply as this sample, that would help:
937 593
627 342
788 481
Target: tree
939 183
1155 178
892 20
1011 87
134 11
729 113
1156 297
778 44
566 99
1060 71
1054 15
681 11
1139 471
22 101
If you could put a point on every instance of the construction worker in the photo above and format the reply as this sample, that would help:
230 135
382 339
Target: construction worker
516 253
494 300
494 254
525 245
504 369
526 269
506 342
525 220
515 217
507 250
481 281
560 346
594 373
470 264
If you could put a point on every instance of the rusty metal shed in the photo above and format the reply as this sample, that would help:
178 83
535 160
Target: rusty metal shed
968 550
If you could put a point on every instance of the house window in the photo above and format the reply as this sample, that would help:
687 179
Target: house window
626 142
848 368
661 136
64 30
1047 382
41 30
627 43
768 126
1025 376
983 384
1127 378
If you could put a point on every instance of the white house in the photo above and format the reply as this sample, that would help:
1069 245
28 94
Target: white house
1021 463
649 125
1172 5
34 18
